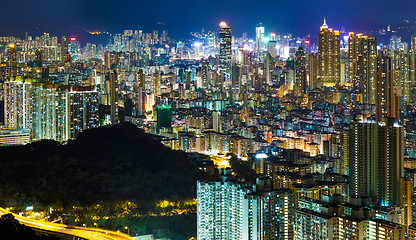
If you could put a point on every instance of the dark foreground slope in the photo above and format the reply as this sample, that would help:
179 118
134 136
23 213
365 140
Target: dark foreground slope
104 164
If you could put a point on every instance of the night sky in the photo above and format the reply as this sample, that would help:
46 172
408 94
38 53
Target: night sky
184 16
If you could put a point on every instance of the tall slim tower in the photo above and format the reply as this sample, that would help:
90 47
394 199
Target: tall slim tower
362 54
259 39
329 56
412 70
225 47
112 81
140 88
401 74
12 59
156 78
300 72
65 56
385 99
313 71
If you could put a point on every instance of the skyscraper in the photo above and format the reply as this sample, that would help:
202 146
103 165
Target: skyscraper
65 56
375 160
12 59
216 121
300 72
362 54
112 93
156 78
314 81
259 39
269 214
225 47
220 210
401 74
329 56
17 103
385 98
11 56
50 111
412 70
231 210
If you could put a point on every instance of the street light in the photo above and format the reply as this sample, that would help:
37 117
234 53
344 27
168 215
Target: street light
128 230
95 224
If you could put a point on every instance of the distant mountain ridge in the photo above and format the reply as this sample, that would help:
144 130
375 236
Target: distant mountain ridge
37 27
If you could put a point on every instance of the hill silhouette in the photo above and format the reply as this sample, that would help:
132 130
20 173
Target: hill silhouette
111 163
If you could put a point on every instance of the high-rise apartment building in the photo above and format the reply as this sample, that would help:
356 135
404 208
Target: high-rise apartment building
50 111
65 56
12 59
362 54
232 210
314 81
225 47
329 220
270 214
386 100
260 45
329 56
375 161
112 94
412 70
401 74
16 103
156 83
220 210
300 72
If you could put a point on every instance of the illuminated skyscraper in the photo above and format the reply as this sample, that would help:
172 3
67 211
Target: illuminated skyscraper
17 103
12 59
231 210
220 210
50 111
139 90
225 47
314 81
43 102
401 74
235 81
65 56
11 56
38 58
412 71
259 39
375 159
413 41
362 54
300 72
216 121
329 56
386 100
269 214
82 109
156 83
112 93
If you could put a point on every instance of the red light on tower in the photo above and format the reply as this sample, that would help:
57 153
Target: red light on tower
73 38
307 41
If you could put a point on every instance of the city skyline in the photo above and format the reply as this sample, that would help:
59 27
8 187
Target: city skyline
238 130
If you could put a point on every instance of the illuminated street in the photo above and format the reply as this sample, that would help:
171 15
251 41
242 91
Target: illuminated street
87 233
